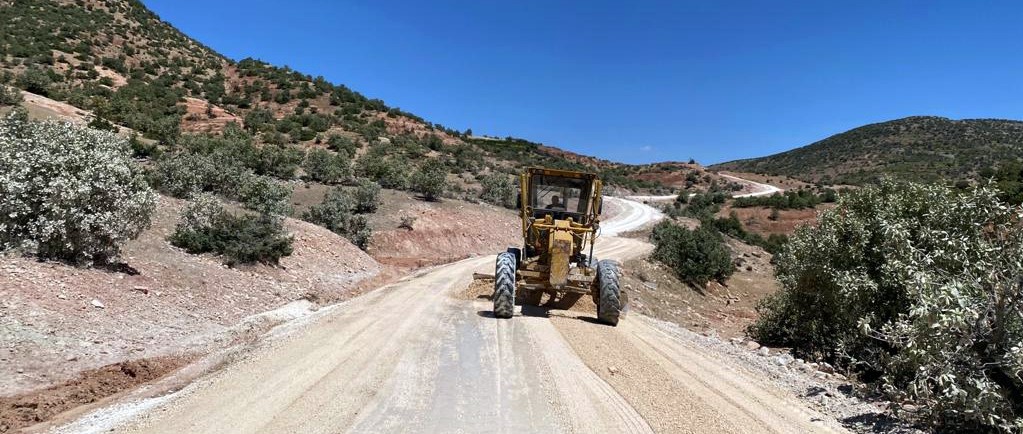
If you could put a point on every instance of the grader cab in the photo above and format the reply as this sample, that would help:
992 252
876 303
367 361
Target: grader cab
560 213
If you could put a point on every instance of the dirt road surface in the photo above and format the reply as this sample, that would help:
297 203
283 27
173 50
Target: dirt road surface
421 356
759 189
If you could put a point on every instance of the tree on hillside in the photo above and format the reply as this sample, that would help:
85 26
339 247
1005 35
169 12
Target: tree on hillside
696 256
498 189
338 212
9 96
429 180
327 167
68 192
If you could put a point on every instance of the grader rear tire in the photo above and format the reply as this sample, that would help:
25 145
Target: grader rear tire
504 286
609 302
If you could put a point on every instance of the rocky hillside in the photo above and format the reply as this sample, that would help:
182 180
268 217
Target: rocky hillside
915 148
126 67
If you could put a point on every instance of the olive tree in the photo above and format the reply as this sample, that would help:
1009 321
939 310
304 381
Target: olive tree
68 192
919 287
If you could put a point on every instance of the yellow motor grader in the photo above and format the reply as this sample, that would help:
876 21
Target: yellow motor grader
560 223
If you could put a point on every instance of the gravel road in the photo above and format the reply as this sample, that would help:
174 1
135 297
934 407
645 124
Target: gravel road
418 356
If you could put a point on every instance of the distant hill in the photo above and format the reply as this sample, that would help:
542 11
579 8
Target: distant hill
122 64
919 148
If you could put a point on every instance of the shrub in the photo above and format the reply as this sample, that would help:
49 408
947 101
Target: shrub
498 189
696 256
337 213
68 192
917 287
407 221
367 197
9 96
181 175
327 167
278 161
338 143
142 149
388 172
266 196
36 81
205 227
429 180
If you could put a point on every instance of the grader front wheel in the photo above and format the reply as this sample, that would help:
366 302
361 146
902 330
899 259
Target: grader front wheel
504 286
609 301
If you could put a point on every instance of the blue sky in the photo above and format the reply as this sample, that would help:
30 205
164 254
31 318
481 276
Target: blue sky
641 81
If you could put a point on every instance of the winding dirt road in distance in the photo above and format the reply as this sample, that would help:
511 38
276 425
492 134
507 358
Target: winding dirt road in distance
760 189
420 355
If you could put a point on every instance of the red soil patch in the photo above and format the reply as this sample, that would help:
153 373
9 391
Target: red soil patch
200 116
90 386
758 219
443 231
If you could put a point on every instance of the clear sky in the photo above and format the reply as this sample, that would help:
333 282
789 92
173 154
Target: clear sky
641 81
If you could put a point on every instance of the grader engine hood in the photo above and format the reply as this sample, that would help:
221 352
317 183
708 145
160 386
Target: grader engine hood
561 247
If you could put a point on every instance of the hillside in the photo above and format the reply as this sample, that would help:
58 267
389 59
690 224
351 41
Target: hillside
915 148
122 64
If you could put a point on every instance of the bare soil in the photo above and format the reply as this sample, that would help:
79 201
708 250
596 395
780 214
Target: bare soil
198 119
726 309
442 232
90 386
758 219
57 320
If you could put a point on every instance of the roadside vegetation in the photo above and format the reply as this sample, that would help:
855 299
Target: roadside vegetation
344 212
917 289
705 206
240 238
68 192
791 199
697 256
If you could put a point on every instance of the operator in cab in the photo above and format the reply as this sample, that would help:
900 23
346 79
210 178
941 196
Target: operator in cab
556 204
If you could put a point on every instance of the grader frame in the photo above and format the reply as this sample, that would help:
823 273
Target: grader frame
560 212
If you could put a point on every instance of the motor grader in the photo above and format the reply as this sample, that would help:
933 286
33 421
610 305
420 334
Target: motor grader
560 212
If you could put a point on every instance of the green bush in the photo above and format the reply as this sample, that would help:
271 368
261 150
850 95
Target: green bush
917 287
338 143
429 180
265 195
181 175
337 213
367 197
389 172
68 192
205 227
792 199
498 189
327 167
9 96
36 81
696 256
278 161
142 149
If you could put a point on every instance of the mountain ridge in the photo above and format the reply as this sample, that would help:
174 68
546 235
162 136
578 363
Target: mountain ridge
917 148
